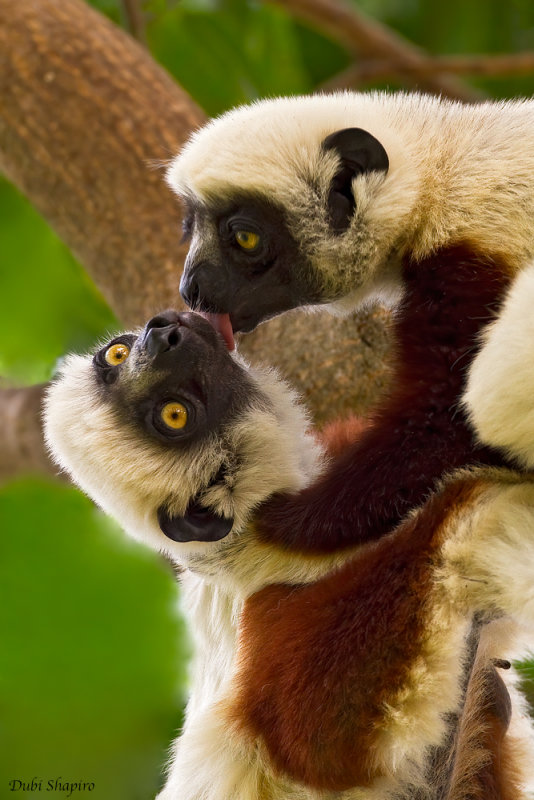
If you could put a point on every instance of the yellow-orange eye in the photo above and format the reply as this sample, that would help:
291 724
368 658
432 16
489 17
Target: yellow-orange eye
174 415
247 239
117 354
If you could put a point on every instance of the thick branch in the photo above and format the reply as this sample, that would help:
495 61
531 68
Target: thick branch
339 366
22 448
84 113
354 30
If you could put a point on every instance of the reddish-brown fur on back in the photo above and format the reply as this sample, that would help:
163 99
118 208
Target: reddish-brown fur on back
420 432
337 650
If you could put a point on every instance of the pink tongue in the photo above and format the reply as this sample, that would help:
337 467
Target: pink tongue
222 324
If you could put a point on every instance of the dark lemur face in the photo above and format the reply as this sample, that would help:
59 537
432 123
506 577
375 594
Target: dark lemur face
177 438
175 382
244 258
243 261
174 385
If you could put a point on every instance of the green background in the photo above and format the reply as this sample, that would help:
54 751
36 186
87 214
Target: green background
93 648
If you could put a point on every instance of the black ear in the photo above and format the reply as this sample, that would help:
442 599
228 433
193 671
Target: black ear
197 525
359 153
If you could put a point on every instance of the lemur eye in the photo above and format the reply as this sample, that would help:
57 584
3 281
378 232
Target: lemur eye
248 240
174 415
116 354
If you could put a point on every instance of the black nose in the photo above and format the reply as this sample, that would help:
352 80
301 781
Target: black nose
162 333
190 290
205 286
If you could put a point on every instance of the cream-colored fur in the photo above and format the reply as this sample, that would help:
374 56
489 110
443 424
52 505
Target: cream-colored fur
456 172
130 477
482 568
500 390
490 553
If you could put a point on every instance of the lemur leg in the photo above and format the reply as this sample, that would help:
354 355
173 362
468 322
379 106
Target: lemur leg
480 770
366 648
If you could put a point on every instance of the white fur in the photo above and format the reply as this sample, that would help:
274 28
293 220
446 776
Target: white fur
500 390
456 172
483 567
130 477
491 553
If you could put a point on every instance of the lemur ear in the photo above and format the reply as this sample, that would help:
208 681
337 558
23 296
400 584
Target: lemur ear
359 153
197 525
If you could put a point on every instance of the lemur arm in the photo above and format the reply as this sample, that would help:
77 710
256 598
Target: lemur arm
420 432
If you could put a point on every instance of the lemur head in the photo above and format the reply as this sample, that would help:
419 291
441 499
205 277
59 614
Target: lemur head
290 202
173 435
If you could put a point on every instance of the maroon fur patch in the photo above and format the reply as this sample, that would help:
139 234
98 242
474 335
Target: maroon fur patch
318 662
420 432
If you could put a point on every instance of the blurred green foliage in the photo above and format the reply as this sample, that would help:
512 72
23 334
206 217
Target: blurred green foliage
42 286
93 649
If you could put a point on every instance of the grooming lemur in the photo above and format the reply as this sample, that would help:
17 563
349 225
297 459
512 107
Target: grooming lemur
339 199
367 651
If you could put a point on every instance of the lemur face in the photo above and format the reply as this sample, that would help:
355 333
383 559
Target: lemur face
273 224
243 261
140 424
173 382
178 385
174 436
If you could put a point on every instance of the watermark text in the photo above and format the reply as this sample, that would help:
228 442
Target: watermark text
37 784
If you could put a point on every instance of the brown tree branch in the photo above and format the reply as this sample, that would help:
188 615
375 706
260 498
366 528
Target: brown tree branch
135 19
84 112
359 33
22 448
481 65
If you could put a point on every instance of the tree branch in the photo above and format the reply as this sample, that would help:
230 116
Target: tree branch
351 28
482 65
84 112
135 19
22 448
